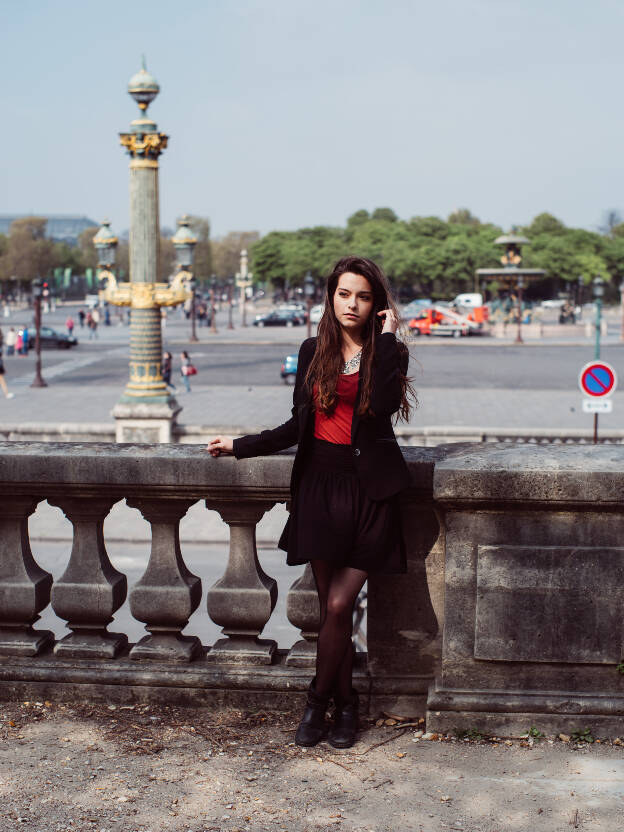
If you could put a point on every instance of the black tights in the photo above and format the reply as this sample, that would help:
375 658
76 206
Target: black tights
338 590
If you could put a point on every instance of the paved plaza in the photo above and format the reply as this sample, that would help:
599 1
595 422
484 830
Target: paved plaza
477 382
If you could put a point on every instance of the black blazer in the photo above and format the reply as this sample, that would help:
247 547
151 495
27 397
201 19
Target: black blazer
378 459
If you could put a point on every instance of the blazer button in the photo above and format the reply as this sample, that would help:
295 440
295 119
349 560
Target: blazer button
356 451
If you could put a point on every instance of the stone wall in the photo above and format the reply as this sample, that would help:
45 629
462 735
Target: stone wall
509 616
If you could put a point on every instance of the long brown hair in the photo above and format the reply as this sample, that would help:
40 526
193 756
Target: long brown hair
325 367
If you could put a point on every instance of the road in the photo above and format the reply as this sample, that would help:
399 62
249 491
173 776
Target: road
468 382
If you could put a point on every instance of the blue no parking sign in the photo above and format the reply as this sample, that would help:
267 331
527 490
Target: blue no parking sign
597 379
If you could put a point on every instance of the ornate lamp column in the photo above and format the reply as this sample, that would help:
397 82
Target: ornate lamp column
146 411
243 280
184 243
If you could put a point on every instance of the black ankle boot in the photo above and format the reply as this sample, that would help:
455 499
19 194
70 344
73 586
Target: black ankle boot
344 728
312 727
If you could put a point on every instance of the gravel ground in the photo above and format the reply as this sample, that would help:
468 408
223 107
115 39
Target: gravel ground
69 768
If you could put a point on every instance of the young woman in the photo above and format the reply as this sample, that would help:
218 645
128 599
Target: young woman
347 473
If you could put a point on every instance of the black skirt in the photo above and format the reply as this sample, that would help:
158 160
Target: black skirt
332 519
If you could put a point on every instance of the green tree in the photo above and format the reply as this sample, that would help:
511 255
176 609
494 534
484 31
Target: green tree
384 215
462 216
544 224
28 253
202 263
226 251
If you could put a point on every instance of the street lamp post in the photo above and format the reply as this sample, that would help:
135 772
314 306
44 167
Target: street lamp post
230 285
184 243
520 287
598 285
579 292
37 290
192 284
213 311
309 290
622 305
243 280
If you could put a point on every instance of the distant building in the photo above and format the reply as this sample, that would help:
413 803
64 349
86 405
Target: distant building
64 228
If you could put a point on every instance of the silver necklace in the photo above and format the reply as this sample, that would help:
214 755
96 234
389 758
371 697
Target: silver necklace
352 364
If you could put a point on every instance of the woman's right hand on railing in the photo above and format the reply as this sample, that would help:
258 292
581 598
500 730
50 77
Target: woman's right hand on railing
220 446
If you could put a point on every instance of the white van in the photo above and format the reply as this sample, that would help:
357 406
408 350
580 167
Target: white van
468 300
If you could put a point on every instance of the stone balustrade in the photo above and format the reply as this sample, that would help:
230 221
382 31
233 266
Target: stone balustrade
509 615
85 480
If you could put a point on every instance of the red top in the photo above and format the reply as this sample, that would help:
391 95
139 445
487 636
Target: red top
337 427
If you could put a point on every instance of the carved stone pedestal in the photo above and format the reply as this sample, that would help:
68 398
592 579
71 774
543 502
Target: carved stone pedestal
244 598
168 593
24 586
303 611
91 589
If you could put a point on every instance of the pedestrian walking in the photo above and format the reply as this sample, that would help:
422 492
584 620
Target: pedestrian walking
69 323
81 318
186 370
19 343
25 341
347 473
167 366
11 338
3 384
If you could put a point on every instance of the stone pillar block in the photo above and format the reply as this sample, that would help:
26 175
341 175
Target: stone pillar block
242 601
168 593
91 589
24 586
303 611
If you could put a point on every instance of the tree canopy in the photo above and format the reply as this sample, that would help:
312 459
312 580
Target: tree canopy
429 256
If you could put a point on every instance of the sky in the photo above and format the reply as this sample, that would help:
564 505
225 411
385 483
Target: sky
284 114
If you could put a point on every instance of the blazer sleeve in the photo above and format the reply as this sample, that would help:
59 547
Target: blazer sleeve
285 435
391 362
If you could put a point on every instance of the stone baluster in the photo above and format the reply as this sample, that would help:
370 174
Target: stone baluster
242 601
303 611
167 594
24 586
91 589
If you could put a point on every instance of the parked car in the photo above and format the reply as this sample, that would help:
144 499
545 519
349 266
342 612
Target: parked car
289 369
316 313
280 317
51 338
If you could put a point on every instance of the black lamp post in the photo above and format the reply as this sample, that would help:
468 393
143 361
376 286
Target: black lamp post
192 284
309 291
184 243
579 291
213 311
598 285
520 287
230 285
37 291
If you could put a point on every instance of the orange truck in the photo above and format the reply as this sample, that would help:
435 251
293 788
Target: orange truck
441 320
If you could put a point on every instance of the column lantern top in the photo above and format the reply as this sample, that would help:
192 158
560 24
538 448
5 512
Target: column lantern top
144 141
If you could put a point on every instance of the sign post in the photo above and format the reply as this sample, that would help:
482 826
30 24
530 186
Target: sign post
597 380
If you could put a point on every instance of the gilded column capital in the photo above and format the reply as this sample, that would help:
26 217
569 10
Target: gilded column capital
144 145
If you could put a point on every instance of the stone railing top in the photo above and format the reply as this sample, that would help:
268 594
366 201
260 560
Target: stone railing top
185 471
532 474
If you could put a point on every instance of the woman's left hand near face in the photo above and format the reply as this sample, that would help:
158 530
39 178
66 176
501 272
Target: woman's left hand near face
391 323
